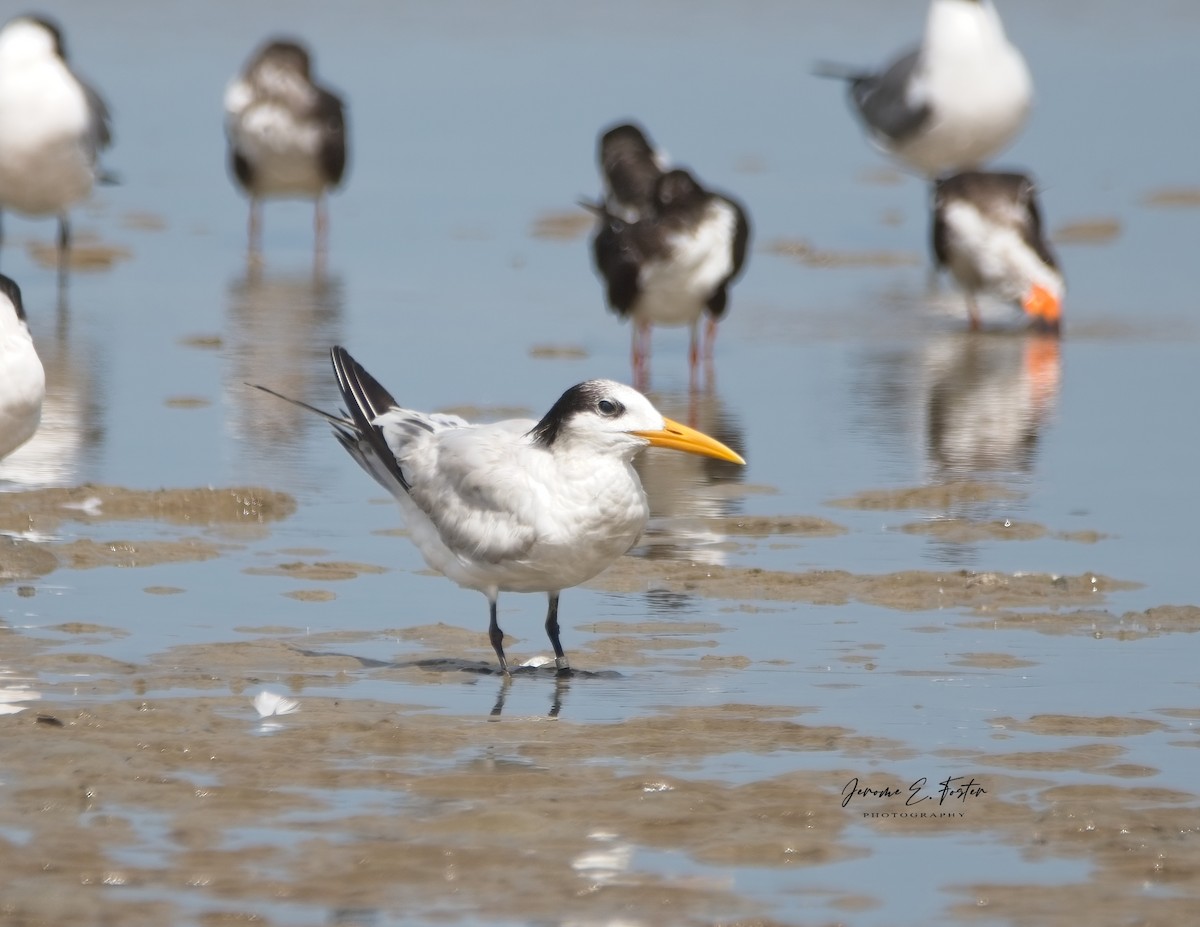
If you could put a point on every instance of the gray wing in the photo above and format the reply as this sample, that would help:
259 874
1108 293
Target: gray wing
469 482
331 116
887 101
465 479
99 119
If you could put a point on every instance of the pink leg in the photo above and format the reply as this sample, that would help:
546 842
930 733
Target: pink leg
320 228
255 228
694 358
696 355
973 323
641 353
710 338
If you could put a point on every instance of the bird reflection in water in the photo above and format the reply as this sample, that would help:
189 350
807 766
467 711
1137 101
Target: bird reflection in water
71 433
972 407
279 330
989 398
537 667
561 685
689 497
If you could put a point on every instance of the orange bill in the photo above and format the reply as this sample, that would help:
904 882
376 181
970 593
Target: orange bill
681 438
1044 307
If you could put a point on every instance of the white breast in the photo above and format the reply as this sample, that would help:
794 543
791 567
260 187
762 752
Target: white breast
674 290
989 255
282 149
22 386
494 513
46 158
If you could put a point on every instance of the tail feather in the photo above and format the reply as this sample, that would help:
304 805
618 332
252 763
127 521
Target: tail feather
839 71
336 421
356 431
367 400
597 208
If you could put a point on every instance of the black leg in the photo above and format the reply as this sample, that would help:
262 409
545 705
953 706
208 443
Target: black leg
64 248
254 232
560 658
496 636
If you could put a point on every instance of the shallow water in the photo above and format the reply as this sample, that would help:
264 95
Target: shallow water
782 630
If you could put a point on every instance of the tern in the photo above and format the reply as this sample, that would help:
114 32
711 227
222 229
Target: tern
22 378
286 134
987 231
668 257
518 505
953 102
53 126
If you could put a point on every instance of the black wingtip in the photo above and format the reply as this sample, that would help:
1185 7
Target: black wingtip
366 400
358 387
9 287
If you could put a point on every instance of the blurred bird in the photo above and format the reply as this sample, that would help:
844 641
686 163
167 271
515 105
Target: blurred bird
519 505
22 379
673 260
988 402
52 127
987 231
630 168
951 103
287 135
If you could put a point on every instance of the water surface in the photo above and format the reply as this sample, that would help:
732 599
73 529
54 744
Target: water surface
693 772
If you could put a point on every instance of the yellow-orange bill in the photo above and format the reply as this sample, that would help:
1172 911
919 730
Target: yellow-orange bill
1044 306
682 438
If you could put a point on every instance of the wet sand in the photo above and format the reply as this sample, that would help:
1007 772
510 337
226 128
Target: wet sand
150 793
952 558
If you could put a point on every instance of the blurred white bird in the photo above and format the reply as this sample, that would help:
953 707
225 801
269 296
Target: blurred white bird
519 505
52 127
22 378
286 133
951 103
987 231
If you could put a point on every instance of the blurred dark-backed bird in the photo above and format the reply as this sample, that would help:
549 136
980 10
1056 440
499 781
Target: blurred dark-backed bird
287 135
630 167
672 264
53 126
987 231
951 103
518 505
22 378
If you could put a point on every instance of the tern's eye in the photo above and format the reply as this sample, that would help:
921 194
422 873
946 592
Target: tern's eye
608 407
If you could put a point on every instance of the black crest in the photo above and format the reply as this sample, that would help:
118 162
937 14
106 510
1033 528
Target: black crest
583 397
55 30
8 286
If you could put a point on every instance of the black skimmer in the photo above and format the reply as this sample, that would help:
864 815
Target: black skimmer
287 135
987 231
